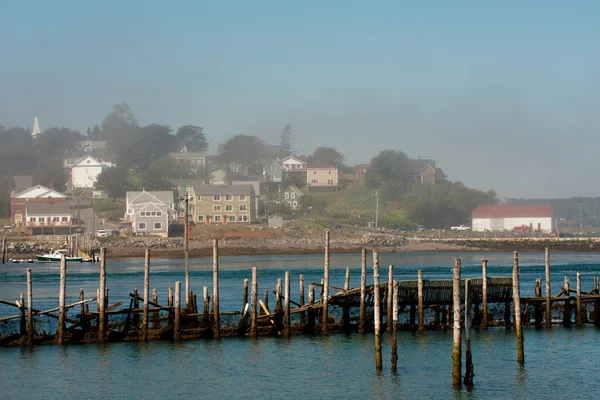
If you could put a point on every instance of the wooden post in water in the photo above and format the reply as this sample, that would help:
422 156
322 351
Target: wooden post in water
216 313
469 370
23 319
377 310
170 297
538 306
517 307
484 294
278 296
567 303
186 251
287 328
254 303
29 308
363 292
301 301
395 327
177 324
146 294
266 302
206 311
457 350
245 299
390 299
347 280
420 300
548 295
325 309
61 300
311 312
578 318
4 250
596 303
155 315
82 312
102 294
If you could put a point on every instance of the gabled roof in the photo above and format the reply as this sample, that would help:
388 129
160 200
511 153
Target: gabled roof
416 166
161 197
292 158
223 189
293 188
88 161
102 154
513 211
38 192
49 209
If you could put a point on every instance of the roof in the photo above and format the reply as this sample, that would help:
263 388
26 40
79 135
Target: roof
416 166
106 155
91 144
47 209
38 192
223 189
164 196
293 188
188 155
513 211
320 166
292 158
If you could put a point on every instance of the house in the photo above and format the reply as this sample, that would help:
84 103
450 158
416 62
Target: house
223 204
211 161
275 221
507 217
218 177
424 171
36 194
49 218
104 155
273 171
85 172
321 177
150 213
293 164
292 196
89 146
193 161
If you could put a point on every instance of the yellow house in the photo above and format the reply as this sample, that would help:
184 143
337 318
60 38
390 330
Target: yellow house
322 177
223 204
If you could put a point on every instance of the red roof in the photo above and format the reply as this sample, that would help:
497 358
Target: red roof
513 211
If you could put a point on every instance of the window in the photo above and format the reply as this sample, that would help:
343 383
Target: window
141 226
314 172
273 167
216 208
200 218
32 219
217 218
228 197
159 213
293 195
65 219
154 213
245 218
157 226
315 181
240 219
330 181
243 208
232 218
228 208
329 172
295 204
242 197
55 219
287 195
217 197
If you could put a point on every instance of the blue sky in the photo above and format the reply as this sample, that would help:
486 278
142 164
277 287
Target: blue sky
502 95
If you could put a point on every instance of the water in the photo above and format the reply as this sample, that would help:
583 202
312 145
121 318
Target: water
338 366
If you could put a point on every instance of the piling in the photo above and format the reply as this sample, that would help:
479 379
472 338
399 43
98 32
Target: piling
206 299
170 297
23 318
538 307
83 319
177 324
266 302
325 309
245 299
156 315
363 291
578 317
311 312
420 300
567 304
484 295
517 309
395 327
469 371
61 300
4 250
377 310
216 314
301 301
287 328
390 298
548 295
102 294
254 302
347 280
186 251
29 308
146 294
278 295
457 350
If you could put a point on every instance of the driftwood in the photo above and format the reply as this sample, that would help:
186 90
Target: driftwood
270 316
38 312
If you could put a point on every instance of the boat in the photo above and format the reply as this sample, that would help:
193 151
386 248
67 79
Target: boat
56 255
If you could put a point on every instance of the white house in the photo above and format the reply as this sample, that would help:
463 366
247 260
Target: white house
84 172
293 164
292 196
150 212
508 217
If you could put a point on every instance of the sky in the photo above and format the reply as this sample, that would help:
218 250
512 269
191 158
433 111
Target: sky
503 95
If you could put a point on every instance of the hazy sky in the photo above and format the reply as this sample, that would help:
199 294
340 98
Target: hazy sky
502 95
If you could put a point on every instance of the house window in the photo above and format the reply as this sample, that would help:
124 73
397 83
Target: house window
273 167
232 218
287 195
329 172
315 181
242 197
330 181
157 226
32 219
314 172
200 218
217 197
65 219
217 218
154 213
228 208
243 208
245 218
293 195
216 208
159 213
295 204
240 219
141 226
55 219
228 197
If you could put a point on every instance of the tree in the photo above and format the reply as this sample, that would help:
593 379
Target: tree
156 175
95 134
285 146
142 145
389 171
7 184
114 181
192 137
119 122
243 149
327 156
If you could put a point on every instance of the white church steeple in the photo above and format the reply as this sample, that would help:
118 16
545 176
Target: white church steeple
36 127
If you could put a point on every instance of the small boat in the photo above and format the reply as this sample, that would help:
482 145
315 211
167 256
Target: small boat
56 255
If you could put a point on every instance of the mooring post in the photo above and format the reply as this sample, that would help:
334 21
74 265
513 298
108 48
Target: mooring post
301 301
325 309
186 251
484 295
538 306
206 311
61 300
287 328
363 291
548 295
395 327
155 315
470 370
347 280
101 301
82 318
216 313
390 298
266 302
177 324
29 308
457 350
146 294
567 303
245 298
254 302
278 296
170 297
596 303
420 300
517 307
23 319
377 310
321 292
311 311
578 317
4 250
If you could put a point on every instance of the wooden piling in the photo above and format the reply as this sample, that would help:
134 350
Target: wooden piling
457 350
517 309
23 317
301 301
101 299
325 309
245 298
254 303
469 370
177 324
155 315
567 303
578 317
278 296
420 300
484 294
287 328
265 302
395 327
347 280
61 300
4 250
548 295
363 291
390 298
596 303
206 310
537 307
186 251
377 310
311 312
170 297
30 327
216 313
146 295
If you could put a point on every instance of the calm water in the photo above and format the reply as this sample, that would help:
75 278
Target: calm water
337 366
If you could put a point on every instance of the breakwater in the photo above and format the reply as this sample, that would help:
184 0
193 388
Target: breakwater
523 244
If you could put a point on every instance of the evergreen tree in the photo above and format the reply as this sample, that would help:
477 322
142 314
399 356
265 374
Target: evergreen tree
285 147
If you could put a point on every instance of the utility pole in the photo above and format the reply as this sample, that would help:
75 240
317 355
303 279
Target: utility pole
376 209
580 214
186 254
93 214
78 211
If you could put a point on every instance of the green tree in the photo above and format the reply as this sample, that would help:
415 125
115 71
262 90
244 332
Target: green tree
144 144
7 184
192 137
285 146
156 175
118 123
243 149
326 156
114 181
388 171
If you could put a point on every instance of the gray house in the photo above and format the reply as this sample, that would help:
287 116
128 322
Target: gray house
150 213
292 196
273 172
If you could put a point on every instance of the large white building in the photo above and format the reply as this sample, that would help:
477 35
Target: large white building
508 217
85 172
